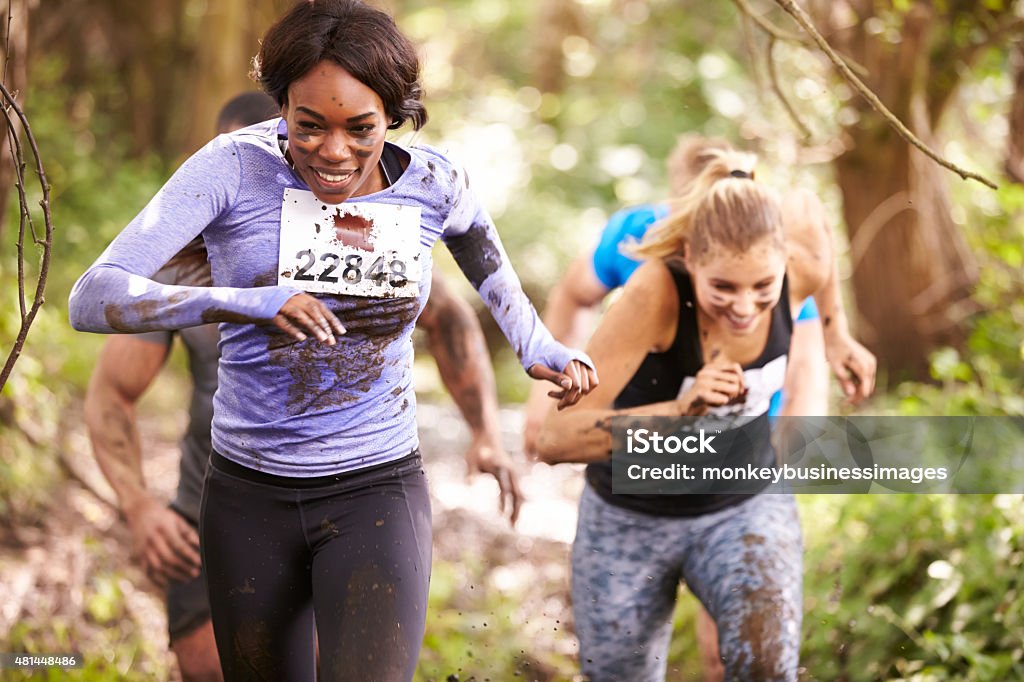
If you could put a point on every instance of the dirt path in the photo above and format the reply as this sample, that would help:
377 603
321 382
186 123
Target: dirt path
70 584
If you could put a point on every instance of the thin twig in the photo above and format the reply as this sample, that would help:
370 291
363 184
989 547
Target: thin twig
780 34
768 27
7 38
28 316
774 78
751 48
801 18
18 159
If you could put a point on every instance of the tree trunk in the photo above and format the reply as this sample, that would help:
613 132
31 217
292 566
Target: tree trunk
553 22
228 39
1015 145
912 271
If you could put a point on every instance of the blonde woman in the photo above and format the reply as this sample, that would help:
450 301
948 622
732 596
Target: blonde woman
703 327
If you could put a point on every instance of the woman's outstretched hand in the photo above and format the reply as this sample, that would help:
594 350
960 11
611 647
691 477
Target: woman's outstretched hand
303 314
574 382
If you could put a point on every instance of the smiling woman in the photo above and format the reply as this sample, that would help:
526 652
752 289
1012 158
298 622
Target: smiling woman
703 328
319 234
338 129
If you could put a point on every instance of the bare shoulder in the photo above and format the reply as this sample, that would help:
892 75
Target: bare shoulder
808 241
641 321
650 296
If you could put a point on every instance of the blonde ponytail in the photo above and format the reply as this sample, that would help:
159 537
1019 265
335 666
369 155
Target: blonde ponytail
722 206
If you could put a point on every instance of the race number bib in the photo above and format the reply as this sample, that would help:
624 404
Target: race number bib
358 249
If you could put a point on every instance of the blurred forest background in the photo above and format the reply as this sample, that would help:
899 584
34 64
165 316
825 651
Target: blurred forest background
564 111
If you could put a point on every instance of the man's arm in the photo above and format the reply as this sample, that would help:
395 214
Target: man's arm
457 343
809 242
569 314
165 543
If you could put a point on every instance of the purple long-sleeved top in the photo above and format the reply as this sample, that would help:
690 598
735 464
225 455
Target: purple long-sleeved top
299 408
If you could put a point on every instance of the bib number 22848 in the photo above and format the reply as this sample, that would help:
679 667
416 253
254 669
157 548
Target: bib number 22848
357 249
353 271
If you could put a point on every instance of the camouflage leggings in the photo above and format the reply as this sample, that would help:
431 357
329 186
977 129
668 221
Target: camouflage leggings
744 563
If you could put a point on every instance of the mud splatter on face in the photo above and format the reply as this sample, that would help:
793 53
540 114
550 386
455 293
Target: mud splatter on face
353 230
476 253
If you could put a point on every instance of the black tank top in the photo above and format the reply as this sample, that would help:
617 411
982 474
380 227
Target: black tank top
664 376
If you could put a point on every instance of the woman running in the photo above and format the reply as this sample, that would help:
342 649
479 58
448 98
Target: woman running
319 235
703 327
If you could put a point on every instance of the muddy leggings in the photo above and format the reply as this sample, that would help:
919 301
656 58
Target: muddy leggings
353 549
744 563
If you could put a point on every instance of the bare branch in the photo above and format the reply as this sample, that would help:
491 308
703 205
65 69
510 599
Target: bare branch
768 27
11 112
777 33
801 18
774 78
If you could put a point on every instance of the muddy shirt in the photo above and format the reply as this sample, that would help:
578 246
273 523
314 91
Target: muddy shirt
300 408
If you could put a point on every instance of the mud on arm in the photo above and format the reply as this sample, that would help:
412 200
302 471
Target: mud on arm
118 294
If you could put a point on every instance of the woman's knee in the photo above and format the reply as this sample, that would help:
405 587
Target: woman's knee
760 636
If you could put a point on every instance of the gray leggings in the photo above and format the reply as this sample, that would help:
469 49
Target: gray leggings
744 563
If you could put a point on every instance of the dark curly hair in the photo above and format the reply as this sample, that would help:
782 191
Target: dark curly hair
361 39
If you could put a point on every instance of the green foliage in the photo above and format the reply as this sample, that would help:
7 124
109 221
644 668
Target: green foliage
96 188
119 650
987 379
914 586
29 411
95 191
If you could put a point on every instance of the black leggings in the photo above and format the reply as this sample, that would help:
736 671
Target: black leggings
352 549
